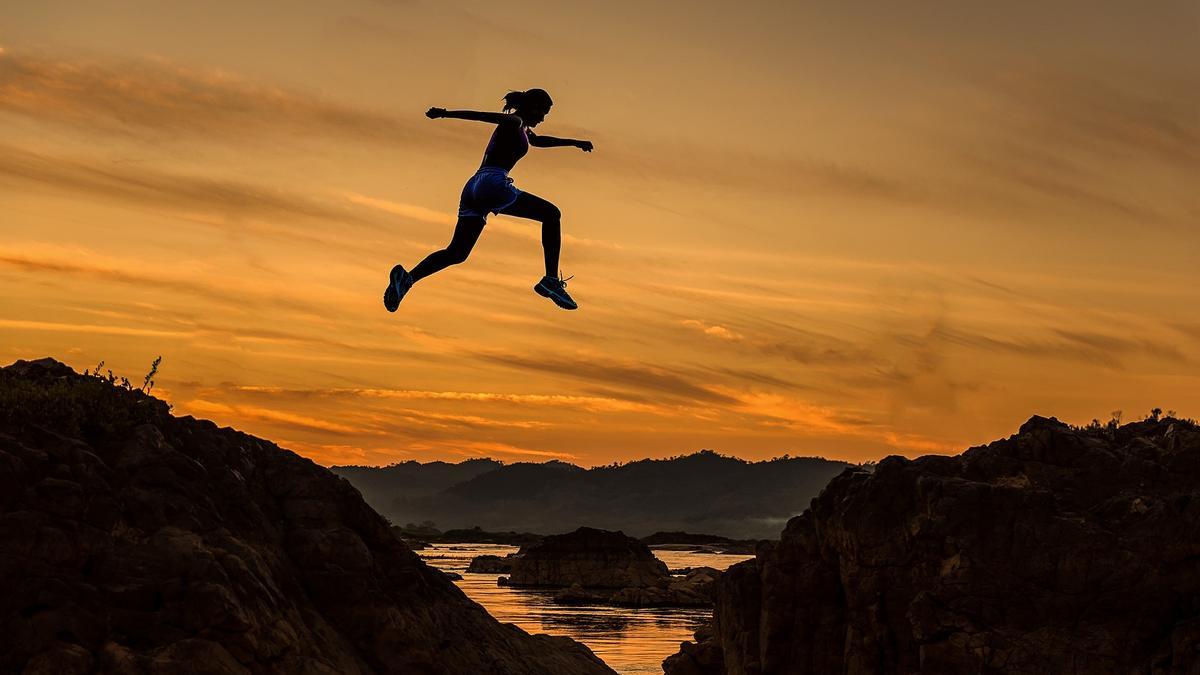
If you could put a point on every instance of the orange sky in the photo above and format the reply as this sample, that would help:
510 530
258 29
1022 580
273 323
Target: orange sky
846 229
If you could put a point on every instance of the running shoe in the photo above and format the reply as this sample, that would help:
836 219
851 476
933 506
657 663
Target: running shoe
556 290
400 282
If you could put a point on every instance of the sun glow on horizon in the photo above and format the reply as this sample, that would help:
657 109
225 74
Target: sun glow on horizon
902 240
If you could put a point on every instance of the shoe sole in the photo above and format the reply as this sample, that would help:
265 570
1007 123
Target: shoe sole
547 293
391 298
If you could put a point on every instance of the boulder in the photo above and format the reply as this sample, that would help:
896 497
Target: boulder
491 564
591 558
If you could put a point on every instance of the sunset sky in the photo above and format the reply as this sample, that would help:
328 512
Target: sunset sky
847 229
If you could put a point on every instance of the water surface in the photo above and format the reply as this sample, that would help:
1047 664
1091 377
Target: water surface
629 640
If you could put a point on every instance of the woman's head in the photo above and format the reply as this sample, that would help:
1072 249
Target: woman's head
531 105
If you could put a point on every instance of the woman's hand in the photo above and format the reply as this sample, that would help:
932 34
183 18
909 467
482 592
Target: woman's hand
585 146
434 113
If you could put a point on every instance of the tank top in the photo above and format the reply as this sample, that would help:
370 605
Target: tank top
522 145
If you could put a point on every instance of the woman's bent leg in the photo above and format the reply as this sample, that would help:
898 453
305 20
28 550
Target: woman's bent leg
534 207
466 233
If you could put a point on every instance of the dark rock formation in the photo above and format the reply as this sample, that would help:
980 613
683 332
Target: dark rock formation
132 541
588 557
677 537
1057 550
491 564
599 567
697 589
702 657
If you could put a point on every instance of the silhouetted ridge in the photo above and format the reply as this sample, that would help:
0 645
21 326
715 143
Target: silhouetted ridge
704 491
380 484
526 479
132 541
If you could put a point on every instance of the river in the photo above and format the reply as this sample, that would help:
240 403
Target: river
631 641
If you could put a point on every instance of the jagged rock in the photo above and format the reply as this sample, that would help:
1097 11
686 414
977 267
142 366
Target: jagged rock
695 590
591 558
491 564
132 541
703 657
1057 550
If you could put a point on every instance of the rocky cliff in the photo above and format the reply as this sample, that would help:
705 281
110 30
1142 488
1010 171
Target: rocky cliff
132 541
1058 550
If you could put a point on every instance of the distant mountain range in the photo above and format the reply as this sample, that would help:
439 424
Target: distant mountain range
703 492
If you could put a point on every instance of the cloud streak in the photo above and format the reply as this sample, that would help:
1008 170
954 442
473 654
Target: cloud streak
161 99
148 187
627 374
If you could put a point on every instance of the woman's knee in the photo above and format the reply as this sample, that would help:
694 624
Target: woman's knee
552 214
455 256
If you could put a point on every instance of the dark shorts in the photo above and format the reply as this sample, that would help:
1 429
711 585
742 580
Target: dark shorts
489 190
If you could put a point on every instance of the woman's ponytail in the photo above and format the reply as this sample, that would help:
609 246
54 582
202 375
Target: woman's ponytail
513 100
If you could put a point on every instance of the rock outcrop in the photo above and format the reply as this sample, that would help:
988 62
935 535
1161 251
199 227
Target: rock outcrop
599 567
1058 550
491 564
696 589
132 541
590 558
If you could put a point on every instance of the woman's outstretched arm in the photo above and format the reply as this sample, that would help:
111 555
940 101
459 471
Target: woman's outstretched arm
552 142
474 115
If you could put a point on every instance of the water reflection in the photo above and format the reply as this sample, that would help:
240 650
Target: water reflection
631 641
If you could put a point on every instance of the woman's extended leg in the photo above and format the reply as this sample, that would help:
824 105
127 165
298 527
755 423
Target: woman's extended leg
534 207
466 233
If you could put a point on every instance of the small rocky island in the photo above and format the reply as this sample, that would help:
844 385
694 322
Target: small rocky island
134 541
591 566
1064 550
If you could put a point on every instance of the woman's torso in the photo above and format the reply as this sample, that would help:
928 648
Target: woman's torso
507 145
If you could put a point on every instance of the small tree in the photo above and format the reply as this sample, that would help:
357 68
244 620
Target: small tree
148 383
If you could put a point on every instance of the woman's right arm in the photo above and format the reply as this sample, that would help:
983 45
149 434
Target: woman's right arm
474 115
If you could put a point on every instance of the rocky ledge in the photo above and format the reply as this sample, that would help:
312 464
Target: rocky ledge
1058 550
133 541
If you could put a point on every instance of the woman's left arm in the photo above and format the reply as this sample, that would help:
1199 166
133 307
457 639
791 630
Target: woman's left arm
551 142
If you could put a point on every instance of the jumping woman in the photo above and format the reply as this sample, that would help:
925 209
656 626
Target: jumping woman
491 190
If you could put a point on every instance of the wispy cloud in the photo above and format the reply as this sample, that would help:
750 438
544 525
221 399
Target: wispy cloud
493 449
149 187
1077 345
157 98
590 403
283 418
1074 138
60 327
177 281
639 376
713 330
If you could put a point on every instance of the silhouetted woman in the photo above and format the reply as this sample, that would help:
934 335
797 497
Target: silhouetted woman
491 190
